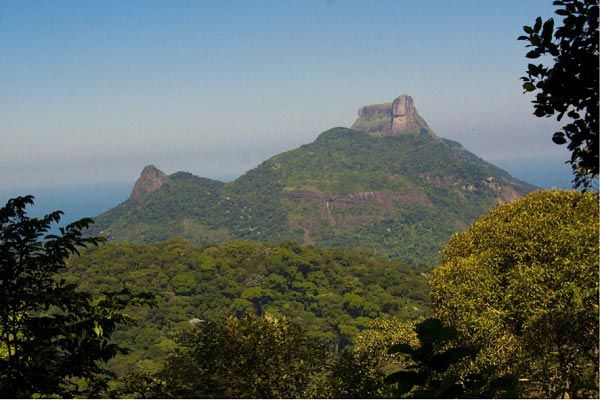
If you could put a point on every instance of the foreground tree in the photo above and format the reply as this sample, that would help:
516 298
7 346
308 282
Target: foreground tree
53 338
521 286
436 368
257 357
354 375
570 85
359 371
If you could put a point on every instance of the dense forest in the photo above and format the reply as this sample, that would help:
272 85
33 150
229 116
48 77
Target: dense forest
511 311
331 293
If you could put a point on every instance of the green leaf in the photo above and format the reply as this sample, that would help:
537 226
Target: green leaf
441 362
432 330
98 329
533 54
559 138
528 86
406 380
548 29
400 348
538 24
505 386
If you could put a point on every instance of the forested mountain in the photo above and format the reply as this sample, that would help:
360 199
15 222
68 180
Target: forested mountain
330 293
389 184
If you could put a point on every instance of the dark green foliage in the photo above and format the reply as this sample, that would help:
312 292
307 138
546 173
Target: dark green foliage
256 357
54 338
330 293
570 85
424 377
356 376
432 373
403 197
263 357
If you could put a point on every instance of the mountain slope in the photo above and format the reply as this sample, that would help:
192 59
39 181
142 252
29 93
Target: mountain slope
398 191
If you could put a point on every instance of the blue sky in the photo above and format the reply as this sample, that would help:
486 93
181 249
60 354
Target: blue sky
93 91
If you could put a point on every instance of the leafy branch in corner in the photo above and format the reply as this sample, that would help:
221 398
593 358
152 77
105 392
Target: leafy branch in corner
432 373
569 86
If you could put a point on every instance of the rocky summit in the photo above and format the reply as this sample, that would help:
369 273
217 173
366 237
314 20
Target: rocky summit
150 180
389 184
390 119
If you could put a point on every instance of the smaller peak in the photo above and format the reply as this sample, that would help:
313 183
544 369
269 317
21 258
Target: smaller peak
150 168
150 180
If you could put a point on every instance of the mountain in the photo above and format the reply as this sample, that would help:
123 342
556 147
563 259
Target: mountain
389 184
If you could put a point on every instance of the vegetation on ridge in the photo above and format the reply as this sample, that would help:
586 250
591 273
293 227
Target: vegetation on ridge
402 197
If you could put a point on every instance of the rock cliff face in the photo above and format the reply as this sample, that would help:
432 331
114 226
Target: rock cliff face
391 119
150 180
404 116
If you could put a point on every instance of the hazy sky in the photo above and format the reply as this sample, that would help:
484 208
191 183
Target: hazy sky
91 91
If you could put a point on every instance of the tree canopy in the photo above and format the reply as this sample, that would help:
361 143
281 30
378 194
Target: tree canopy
331 293
521 285
257 357
569 86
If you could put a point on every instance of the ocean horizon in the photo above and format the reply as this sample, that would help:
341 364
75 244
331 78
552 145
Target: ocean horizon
82 200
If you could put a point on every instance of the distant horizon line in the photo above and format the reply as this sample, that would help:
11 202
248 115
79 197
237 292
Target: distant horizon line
233 176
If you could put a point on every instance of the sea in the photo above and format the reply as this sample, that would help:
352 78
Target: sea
76 201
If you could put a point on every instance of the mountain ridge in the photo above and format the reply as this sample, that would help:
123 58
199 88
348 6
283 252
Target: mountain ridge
401 193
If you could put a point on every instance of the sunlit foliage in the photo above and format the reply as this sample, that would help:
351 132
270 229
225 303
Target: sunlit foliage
521 285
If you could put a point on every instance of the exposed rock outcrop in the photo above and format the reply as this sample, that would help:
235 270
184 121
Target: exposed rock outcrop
404 115
150 180
390 119
376 111
384 202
